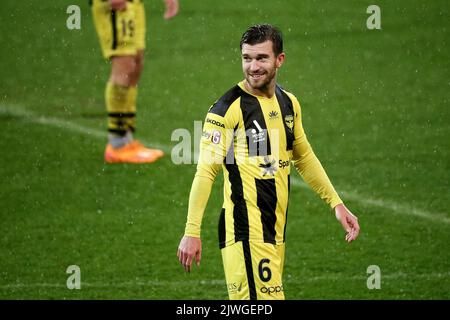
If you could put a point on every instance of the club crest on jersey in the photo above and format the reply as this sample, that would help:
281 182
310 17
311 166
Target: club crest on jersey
289 121
268 167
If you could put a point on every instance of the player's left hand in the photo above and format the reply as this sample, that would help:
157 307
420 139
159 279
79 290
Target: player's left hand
119 5
349 222
171 9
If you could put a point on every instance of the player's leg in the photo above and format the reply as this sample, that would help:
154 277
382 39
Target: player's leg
139 39
120 99
141 30
268 262
115 30
133 74
117 34
128 69
240 282
123 69
121 94
138 67
253 271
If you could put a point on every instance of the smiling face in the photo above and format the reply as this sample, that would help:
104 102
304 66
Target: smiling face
260 65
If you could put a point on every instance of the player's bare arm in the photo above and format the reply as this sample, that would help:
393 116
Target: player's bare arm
118 4
171 9
190 248
349 222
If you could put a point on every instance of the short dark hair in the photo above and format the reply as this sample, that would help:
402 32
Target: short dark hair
260 33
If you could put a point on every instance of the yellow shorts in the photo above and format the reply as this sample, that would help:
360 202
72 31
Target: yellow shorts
121 33
254 271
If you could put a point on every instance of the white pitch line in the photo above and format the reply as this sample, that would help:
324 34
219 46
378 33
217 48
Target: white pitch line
220 282
64 124
383 204
364 200
394 276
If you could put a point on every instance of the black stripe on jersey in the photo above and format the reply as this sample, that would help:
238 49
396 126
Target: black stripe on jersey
286 110
251 111
114 29
266 199
121 114
240 212
222 229
249 270
221 106
287 208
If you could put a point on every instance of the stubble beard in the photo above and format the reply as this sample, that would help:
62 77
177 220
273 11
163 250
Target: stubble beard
262 86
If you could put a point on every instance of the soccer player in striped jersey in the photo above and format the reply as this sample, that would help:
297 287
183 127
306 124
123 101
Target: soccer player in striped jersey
121 29
254 132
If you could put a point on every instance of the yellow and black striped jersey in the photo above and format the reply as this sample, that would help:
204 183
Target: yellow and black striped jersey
254 139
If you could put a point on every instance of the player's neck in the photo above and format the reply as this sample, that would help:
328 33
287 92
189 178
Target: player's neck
267 91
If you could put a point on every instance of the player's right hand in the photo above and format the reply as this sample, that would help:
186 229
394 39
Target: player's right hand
118 5
188 249
171 9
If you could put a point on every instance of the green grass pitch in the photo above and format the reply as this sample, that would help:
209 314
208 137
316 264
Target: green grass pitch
376 109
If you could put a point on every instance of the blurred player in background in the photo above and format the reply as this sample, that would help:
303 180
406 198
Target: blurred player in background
253 132
120 25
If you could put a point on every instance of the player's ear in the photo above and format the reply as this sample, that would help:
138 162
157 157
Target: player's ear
280 59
